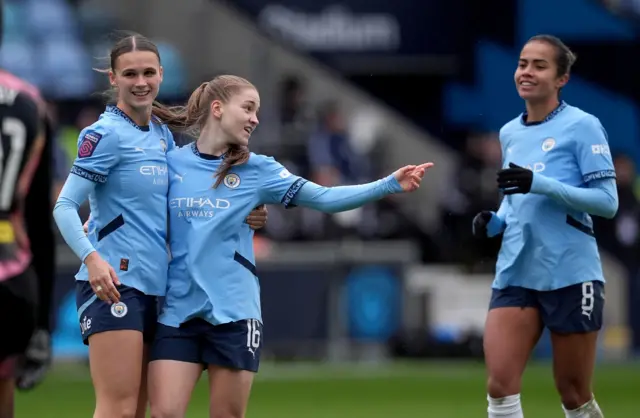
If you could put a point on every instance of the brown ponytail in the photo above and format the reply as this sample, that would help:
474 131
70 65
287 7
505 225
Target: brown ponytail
187 119
236 155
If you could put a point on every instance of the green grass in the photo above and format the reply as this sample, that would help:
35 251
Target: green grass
442 390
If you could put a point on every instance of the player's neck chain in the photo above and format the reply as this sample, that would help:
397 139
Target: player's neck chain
117 111
553 114
194 148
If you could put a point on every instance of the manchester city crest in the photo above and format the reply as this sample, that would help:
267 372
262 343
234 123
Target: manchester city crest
232 181
119 309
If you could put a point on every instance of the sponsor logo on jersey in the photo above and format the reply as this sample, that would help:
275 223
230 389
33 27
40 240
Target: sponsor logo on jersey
85 325
285 173
159 173
536 167
600 149
198 207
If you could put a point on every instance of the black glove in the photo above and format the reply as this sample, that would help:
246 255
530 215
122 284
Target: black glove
480 222
37 360
515 179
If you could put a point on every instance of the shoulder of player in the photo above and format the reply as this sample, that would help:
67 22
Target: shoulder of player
24 103
178 153
259 160
155 120
16 83
509 127
582 126
104 130
263 162
577 117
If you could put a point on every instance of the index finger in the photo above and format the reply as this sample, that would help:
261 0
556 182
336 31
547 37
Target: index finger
110 290
426 166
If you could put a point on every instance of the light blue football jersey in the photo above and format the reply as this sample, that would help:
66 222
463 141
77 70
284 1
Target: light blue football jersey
212 273
546 245
129 205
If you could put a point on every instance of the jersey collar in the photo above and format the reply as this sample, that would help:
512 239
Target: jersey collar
117 111
550 116
197 153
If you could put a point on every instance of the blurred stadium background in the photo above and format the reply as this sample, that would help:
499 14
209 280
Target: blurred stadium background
376 312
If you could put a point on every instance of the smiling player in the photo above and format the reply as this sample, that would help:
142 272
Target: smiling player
557 171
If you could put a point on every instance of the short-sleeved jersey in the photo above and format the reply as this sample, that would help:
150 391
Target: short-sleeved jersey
129 204
547 245
212 274
21 123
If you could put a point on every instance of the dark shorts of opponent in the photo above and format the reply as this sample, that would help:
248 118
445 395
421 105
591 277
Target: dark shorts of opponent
135 311
569 310
18 318
235 345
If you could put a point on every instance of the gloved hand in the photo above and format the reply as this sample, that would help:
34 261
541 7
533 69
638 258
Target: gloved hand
480 222
515 179
36 362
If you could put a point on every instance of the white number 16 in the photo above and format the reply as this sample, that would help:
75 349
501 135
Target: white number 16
253 334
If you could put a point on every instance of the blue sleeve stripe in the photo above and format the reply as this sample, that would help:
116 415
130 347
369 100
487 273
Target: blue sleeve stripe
599 175
292 192
89 175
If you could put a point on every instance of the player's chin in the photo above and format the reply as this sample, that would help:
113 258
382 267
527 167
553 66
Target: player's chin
528 94
243 139
140 102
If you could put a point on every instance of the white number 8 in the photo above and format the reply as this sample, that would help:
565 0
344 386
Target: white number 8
253 334
587 296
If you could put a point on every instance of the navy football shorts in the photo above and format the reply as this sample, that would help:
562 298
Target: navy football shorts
569 310
235 345
135 311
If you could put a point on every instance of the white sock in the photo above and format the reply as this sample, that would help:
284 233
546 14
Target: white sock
507 407
589 410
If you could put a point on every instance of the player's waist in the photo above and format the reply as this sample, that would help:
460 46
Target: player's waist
178 311
532 281
551 224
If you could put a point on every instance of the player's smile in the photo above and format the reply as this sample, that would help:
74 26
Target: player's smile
142 96
526 85
143 93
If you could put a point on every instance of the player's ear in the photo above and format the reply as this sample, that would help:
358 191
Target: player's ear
112 78
562 81
161 73
216 108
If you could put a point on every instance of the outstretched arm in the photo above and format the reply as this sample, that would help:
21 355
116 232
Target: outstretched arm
344 198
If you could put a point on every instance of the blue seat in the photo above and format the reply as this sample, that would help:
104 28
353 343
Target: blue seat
68 69
174 82
49 19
